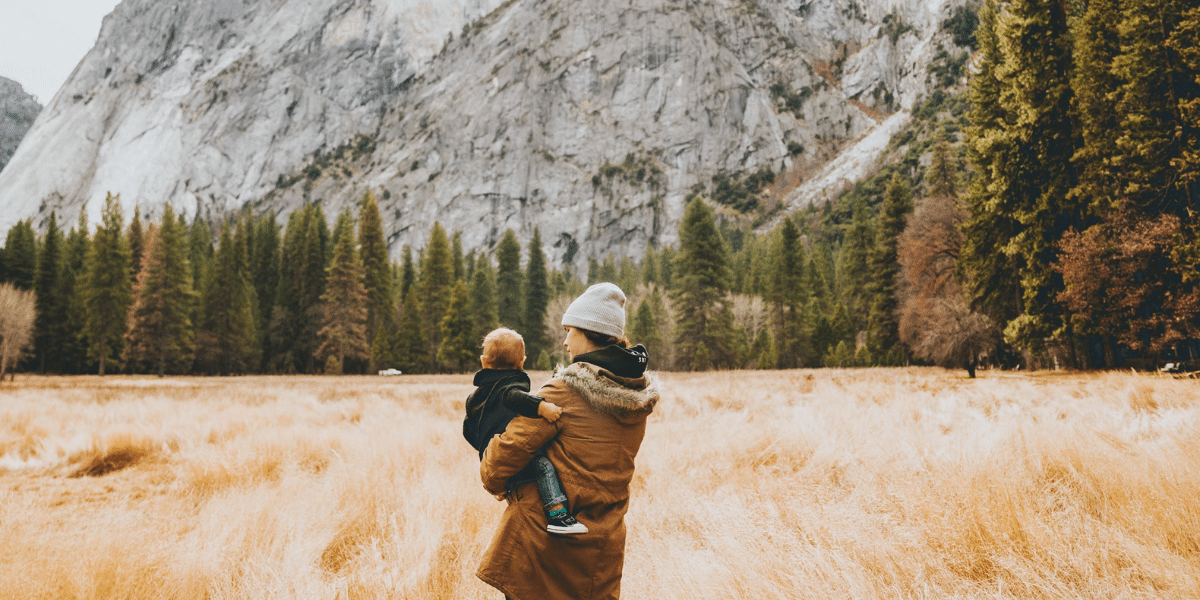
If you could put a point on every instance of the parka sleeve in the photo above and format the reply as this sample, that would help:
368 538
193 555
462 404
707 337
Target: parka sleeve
510 451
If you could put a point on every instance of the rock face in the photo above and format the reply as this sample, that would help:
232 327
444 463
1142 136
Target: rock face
592 121
17 112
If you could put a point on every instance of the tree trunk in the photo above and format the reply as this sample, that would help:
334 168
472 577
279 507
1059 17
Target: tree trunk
971 369
1071 344
103 354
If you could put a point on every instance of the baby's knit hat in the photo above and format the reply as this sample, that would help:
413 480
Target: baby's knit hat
601 309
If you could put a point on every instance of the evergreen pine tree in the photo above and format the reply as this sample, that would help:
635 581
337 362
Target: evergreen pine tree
701 277
200 256
456 256
823 336
436 285
789 293
228 341
137 242
763 350
343 333
1158 84
160 333
987 257
509 281
855 274
458 348
666 267
942 177
264 274
1037 72
107 290
376 267
409 348
650 265
311 277
594 275
897 204
20 255
1095 85
49 331
74 345
537 298
644 330
408 276
483 300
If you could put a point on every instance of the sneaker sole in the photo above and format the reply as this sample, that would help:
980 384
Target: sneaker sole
573 530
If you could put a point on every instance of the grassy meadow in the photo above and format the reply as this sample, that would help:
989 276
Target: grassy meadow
874 483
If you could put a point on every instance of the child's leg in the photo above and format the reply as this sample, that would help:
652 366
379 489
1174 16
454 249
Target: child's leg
549 488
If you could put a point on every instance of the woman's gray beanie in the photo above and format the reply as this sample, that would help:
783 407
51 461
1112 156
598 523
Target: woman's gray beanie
601 309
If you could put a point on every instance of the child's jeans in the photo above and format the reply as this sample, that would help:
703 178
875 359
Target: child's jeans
549 488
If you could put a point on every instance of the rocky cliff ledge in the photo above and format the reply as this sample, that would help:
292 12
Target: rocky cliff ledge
17 113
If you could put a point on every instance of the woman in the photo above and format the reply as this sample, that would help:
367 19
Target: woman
605 395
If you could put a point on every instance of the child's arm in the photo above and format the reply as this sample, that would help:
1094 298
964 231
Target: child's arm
522 403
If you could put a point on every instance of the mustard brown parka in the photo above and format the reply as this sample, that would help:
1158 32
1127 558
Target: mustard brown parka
593 446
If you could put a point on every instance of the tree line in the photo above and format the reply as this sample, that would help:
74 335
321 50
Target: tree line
169 297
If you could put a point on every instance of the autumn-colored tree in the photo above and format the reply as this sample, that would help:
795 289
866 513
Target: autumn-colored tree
17 315
1123 284
935 318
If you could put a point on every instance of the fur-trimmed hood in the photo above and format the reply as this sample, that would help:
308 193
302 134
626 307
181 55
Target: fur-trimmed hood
610 394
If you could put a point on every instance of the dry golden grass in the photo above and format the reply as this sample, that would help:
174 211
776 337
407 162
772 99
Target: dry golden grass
880 483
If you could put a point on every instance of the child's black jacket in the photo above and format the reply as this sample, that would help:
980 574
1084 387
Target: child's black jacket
500 395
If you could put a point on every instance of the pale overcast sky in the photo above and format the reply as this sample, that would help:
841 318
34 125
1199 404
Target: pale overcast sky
41 41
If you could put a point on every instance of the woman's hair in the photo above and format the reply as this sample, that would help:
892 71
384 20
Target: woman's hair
603 340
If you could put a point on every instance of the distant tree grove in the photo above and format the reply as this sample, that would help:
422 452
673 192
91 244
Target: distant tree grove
1068 234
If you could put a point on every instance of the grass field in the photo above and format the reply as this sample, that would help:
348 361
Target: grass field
878 483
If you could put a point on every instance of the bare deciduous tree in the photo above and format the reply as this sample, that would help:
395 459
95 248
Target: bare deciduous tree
935 319
17 316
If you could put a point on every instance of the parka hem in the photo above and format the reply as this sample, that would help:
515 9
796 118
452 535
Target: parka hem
497 585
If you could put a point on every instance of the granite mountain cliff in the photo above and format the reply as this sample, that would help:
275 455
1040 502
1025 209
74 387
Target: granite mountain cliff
593 121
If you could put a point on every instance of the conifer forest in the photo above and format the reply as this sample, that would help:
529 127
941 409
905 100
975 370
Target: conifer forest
1038 211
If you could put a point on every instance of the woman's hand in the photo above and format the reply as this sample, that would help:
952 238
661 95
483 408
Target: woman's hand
549 412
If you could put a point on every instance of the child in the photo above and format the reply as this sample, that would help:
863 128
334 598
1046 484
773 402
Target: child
501 393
